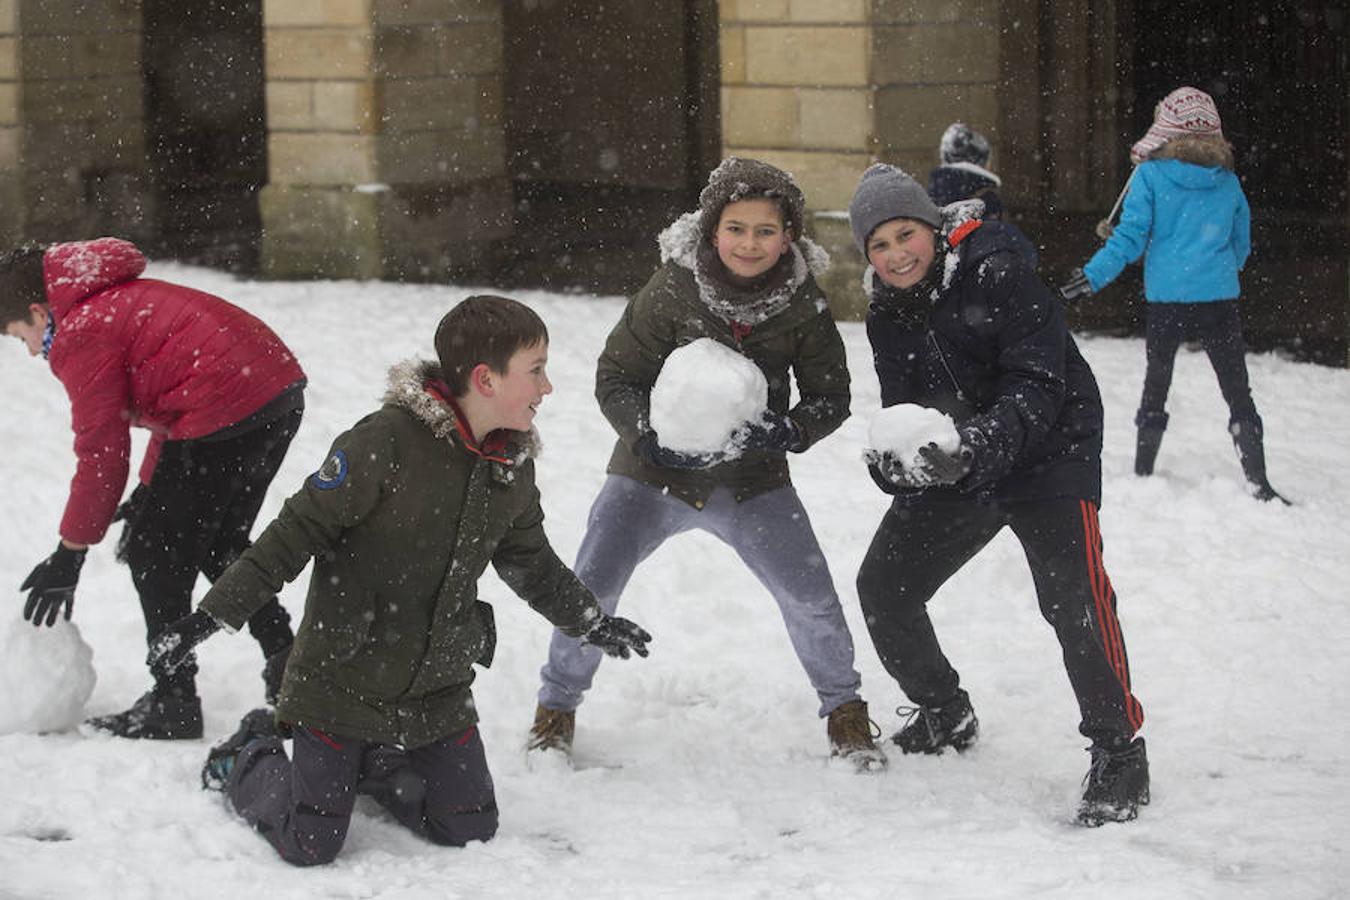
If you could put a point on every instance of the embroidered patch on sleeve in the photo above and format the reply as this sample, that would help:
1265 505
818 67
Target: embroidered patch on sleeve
332 473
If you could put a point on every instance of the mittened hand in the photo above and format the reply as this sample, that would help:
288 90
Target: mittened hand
649 449
172 646
770 432
890 468
617 637
1076 288
51 585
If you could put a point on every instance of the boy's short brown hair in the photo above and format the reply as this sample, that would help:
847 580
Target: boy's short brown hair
21 282
484 329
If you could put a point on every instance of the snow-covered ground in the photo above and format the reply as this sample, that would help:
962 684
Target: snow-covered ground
702 770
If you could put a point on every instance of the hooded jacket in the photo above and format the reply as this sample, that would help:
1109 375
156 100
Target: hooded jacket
136 351
988 345
401 521
802 341
1186 214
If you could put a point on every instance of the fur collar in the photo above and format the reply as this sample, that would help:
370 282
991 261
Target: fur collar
1200 149
407 390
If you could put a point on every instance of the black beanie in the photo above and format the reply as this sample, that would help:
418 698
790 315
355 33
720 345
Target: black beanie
749 179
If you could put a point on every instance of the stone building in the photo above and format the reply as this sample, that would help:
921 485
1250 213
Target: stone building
546 141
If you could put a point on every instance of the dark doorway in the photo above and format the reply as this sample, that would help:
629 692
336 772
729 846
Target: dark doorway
1278 71
611 128
206 129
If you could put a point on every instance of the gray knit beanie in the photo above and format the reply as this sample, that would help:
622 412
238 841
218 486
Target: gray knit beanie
747 179
886 193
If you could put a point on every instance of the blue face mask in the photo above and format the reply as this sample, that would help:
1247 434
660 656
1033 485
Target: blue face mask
48 334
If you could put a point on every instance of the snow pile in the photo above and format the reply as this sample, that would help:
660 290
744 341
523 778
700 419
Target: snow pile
46 675
705 391
899 431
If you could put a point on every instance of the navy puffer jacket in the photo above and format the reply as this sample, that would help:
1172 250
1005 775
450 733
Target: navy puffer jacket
988 345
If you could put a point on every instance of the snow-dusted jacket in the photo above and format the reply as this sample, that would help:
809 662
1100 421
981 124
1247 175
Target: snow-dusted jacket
136 351
401 521
1185 213
802 341
989 346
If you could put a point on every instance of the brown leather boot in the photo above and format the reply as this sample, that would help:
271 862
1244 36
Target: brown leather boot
552 730
852 737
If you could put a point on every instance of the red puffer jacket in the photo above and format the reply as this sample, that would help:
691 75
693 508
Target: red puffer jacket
136 351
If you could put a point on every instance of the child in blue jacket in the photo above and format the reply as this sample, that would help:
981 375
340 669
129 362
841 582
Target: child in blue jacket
1185 213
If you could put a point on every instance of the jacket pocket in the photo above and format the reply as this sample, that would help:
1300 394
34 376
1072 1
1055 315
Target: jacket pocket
489 620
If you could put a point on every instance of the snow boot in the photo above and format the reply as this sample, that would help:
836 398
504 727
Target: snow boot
852 739
932 729
1149 437
552 730
273 669
158 716
1116 784
1248 440
256 723
388 776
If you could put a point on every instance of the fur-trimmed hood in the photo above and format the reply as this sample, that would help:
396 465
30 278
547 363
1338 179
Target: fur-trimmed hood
679 242
408 389
1200 149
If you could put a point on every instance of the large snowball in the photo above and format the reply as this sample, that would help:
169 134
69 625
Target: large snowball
46 675
705 391
902 429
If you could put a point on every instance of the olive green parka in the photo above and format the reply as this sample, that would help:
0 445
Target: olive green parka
401 521
802 341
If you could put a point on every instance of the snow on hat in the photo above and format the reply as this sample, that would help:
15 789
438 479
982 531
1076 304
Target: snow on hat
748 179
960 143
886 193
1186 110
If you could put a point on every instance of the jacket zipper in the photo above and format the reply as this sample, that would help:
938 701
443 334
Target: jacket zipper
942 358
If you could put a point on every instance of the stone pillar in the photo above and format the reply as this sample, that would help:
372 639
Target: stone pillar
72 120
823 88
386 150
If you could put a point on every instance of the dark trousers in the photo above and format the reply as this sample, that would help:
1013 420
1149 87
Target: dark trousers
195 516
1218 328
920 545
303 806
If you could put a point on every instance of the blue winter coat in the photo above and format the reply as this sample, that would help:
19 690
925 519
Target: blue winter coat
992 350
1191 224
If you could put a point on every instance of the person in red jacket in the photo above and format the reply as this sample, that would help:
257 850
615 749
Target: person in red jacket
222 397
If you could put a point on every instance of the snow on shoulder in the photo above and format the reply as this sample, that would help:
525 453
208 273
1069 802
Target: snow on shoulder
901 430
704 392
46 674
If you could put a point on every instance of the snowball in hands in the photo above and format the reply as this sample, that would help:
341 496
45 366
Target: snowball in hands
704 392
46 675
902 429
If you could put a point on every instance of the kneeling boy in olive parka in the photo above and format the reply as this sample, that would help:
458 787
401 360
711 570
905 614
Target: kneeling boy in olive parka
401 520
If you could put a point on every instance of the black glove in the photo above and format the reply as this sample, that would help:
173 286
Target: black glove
617 636
770 432
53 585
127 512
1076 288
650 451
937 466
890 468
172 646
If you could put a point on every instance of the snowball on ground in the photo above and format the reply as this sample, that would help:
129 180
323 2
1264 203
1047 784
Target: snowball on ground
704 392
46 675
902 429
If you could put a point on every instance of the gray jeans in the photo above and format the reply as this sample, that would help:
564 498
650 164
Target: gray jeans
772 535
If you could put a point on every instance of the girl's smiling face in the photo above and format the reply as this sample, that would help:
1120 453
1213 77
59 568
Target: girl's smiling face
750 237
901 251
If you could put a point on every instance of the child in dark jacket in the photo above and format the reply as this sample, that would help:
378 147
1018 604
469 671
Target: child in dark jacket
738 272
960 324
222 397
964 174
1186 214
404 516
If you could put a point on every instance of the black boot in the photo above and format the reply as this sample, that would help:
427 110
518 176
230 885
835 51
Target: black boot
159 715
932 729
1151 426
257 723
1116 784
1247 438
